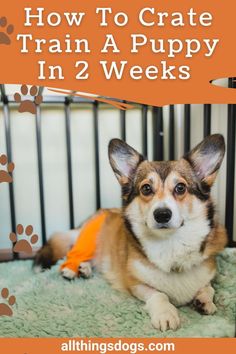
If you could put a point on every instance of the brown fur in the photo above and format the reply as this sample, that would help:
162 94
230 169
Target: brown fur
215 241
117 244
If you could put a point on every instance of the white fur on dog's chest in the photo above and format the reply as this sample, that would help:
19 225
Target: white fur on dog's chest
176 263
179 287
177 250
173 254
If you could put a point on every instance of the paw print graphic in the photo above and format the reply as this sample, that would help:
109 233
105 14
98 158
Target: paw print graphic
5 176
5 309
8 30
28 105
23 245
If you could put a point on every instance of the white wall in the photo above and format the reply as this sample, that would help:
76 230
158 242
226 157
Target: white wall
83 161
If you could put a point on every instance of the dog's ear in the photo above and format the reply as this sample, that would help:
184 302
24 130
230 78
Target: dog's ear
124 160
206 158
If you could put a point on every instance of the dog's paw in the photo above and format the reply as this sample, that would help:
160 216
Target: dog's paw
68 274
85 269
203 301
163 314
166 318
205 308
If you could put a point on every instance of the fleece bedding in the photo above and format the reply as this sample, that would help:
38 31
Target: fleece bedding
49 306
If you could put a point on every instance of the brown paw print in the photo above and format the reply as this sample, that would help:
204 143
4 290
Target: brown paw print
28 105
23 245
5 309
5 175
8 30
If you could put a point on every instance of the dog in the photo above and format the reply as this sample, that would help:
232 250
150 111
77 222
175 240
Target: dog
161 245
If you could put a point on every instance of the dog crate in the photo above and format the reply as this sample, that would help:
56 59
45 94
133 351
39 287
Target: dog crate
62 174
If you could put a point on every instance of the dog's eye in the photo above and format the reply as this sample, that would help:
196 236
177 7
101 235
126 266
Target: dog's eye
146 189
180 188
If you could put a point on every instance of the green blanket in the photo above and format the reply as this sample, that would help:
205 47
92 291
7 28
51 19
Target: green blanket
49 306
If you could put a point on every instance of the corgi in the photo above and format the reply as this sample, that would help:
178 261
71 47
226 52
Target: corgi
161 245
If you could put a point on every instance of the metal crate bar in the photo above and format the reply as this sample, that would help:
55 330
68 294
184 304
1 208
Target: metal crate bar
158 151
96 146
69 162
171 132
40 173
144 130
123 123
207 120
7 124
230 174
187 127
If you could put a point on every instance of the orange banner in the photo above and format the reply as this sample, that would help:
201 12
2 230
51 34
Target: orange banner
123 345
151 52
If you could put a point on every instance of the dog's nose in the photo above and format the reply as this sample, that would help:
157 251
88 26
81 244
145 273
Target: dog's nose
162 216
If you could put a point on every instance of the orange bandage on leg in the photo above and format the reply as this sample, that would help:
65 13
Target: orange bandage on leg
85 246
